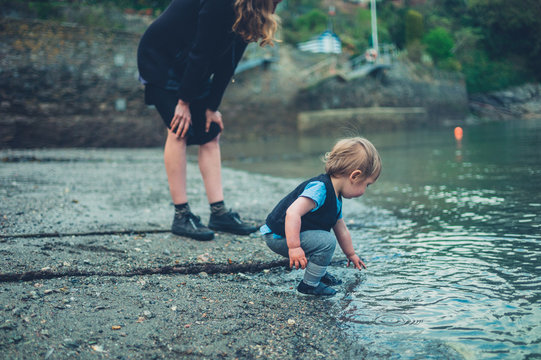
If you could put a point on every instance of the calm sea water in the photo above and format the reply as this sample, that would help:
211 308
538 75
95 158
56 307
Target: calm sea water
451 234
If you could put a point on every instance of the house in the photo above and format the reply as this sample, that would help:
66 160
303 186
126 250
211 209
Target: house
327 43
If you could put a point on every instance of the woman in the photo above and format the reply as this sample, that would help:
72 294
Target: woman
186 59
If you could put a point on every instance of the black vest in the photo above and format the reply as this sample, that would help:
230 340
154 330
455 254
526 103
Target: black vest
323 218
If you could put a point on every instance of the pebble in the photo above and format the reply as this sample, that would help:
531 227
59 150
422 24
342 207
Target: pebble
72 344
97 348
49 353
203 257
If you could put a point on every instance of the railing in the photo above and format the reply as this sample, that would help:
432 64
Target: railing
388 52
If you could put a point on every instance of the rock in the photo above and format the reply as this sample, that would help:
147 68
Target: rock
72 344
517 102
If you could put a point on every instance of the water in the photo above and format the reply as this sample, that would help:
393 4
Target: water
451 236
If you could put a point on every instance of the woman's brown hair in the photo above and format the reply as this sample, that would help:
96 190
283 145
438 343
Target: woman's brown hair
255 20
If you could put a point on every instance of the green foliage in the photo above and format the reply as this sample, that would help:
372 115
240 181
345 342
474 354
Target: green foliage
452 9
450 64
355 28
311 23
484 74
45 10
394 20
510 27
496 42
439 44
414 27
466 40
298 7
352 45
290 11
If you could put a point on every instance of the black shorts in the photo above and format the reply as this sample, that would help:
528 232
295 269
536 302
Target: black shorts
166 101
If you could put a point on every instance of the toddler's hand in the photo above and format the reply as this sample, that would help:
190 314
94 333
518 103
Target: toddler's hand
357 262
297 258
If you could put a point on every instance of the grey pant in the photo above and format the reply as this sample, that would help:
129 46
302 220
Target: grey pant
318 246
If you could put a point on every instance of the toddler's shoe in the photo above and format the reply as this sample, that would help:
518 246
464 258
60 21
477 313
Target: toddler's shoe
319 290
330 280
189 225
230 222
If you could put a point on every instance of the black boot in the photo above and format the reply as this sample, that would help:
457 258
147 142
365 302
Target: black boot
187 224
230 222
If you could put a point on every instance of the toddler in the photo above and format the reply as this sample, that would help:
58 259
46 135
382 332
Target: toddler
299 226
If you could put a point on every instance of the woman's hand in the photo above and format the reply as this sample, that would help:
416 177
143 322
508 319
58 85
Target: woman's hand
182 119
213 116
297 258
357 262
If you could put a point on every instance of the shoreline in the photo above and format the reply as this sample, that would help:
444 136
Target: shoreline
107 288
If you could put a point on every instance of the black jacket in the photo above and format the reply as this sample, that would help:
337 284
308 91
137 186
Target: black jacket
323 218
188 43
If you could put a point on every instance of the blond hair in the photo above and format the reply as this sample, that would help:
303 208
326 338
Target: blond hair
255 20
352 154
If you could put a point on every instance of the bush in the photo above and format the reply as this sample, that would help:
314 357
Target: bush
439 44
394 19
484 74
311 23
414 27
45 10
450 65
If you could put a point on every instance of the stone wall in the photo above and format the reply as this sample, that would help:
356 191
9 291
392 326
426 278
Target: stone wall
67 85
63 85
442 95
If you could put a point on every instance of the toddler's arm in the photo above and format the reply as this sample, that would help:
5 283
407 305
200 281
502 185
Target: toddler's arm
344 240
295 211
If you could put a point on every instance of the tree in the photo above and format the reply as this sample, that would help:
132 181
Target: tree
484 74
439 44
394 18
313 21
510 28
414 27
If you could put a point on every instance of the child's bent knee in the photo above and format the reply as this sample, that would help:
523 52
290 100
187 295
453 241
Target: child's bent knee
329 245
320 245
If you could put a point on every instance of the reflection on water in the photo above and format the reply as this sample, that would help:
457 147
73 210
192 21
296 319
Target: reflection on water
454 254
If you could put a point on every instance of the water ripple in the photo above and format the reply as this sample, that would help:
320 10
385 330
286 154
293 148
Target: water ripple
476 289
395 320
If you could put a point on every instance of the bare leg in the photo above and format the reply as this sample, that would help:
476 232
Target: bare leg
210 165
175 166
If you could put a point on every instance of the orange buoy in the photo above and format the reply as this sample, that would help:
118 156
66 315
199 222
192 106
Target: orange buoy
458 133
